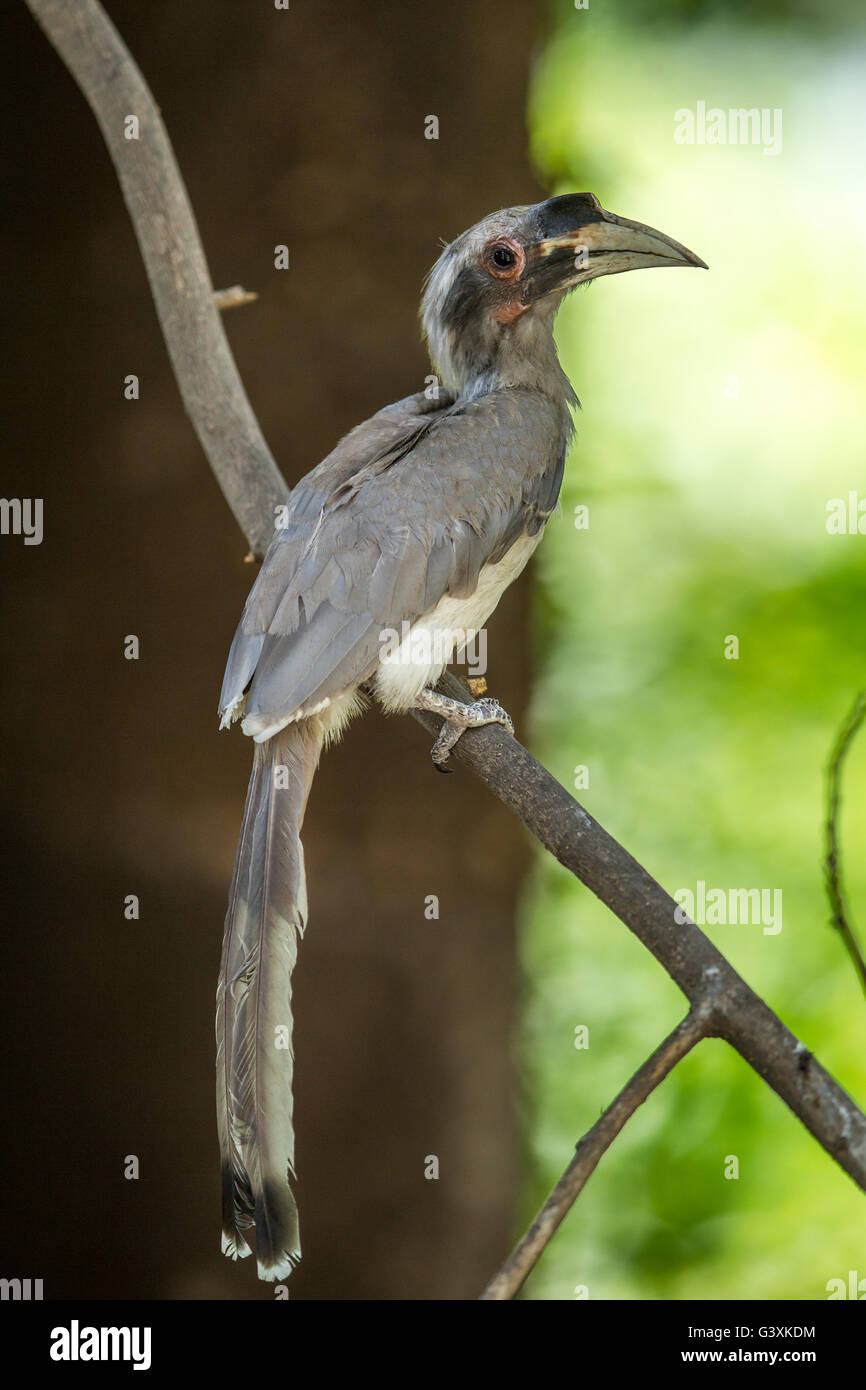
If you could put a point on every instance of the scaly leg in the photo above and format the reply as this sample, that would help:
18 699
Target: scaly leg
458 717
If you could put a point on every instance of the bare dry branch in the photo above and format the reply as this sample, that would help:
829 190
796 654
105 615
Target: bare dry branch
832 864
690 958
233 297
523 1259
165 226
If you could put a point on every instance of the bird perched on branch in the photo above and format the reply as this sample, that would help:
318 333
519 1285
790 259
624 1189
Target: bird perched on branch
415 524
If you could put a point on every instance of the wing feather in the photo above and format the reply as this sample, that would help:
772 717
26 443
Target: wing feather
408 508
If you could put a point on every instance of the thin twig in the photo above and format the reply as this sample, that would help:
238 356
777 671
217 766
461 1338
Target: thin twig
522 1260
832 863
233 297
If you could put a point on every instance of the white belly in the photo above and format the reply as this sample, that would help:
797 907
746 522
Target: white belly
429 645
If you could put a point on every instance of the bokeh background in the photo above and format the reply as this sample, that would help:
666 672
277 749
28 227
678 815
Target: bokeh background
722 412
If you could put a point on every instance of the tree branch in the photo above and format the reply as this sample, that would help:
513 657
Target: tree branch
522 1260
832 867
165 226
690 958
230 436
233 297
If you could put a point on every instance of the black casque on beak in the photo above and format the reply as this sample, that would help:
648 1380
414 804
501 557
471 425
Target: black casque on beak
572 239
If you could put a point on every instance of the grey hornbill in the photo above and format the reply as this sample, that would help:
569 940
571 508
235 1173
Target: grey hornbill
416 523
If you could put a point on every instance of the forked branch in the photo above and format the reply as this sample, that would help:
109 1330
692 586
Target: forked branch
696 1025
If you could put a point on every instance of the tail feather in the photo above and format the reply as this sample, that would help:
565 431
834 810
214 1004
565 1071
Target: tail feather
266 915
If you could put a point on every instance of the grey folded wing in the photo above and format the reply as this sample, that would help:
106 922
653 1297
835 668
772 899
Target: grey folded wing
409 507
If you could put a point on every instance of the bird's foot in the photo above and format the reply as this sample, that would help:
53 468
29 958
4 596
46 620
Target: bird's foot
458 718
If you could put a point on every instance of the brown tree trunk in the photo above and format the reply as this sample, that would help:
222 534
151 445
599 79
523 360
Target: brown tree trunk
306 128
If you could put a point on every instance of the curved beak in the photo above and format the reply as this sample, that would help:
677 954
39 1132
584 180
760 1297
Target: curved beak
575 239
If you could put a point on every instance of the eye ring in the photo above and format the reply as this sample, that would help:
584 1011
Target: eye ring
504 258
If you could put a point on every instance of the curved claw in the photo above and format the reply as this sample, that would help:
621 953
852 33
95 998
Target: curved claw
457 721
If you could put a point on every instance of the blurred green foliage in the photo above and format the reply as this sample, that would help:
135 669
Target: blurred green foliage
722 412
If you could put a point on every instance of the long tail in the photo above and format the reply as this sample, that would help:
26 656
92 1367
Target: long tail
266 915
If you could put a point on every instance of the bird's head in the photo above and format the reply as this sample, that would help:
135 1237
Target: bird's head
490 299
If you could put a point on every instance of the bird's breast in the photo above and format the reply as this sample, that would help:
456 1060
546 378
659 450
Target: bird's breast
415 657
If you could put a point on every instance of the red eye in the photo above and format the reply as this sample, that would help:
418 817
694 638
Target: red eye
504 259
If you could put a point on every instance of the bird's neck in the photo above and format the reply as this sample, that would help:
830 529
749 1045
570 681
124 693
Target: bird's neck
521 354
